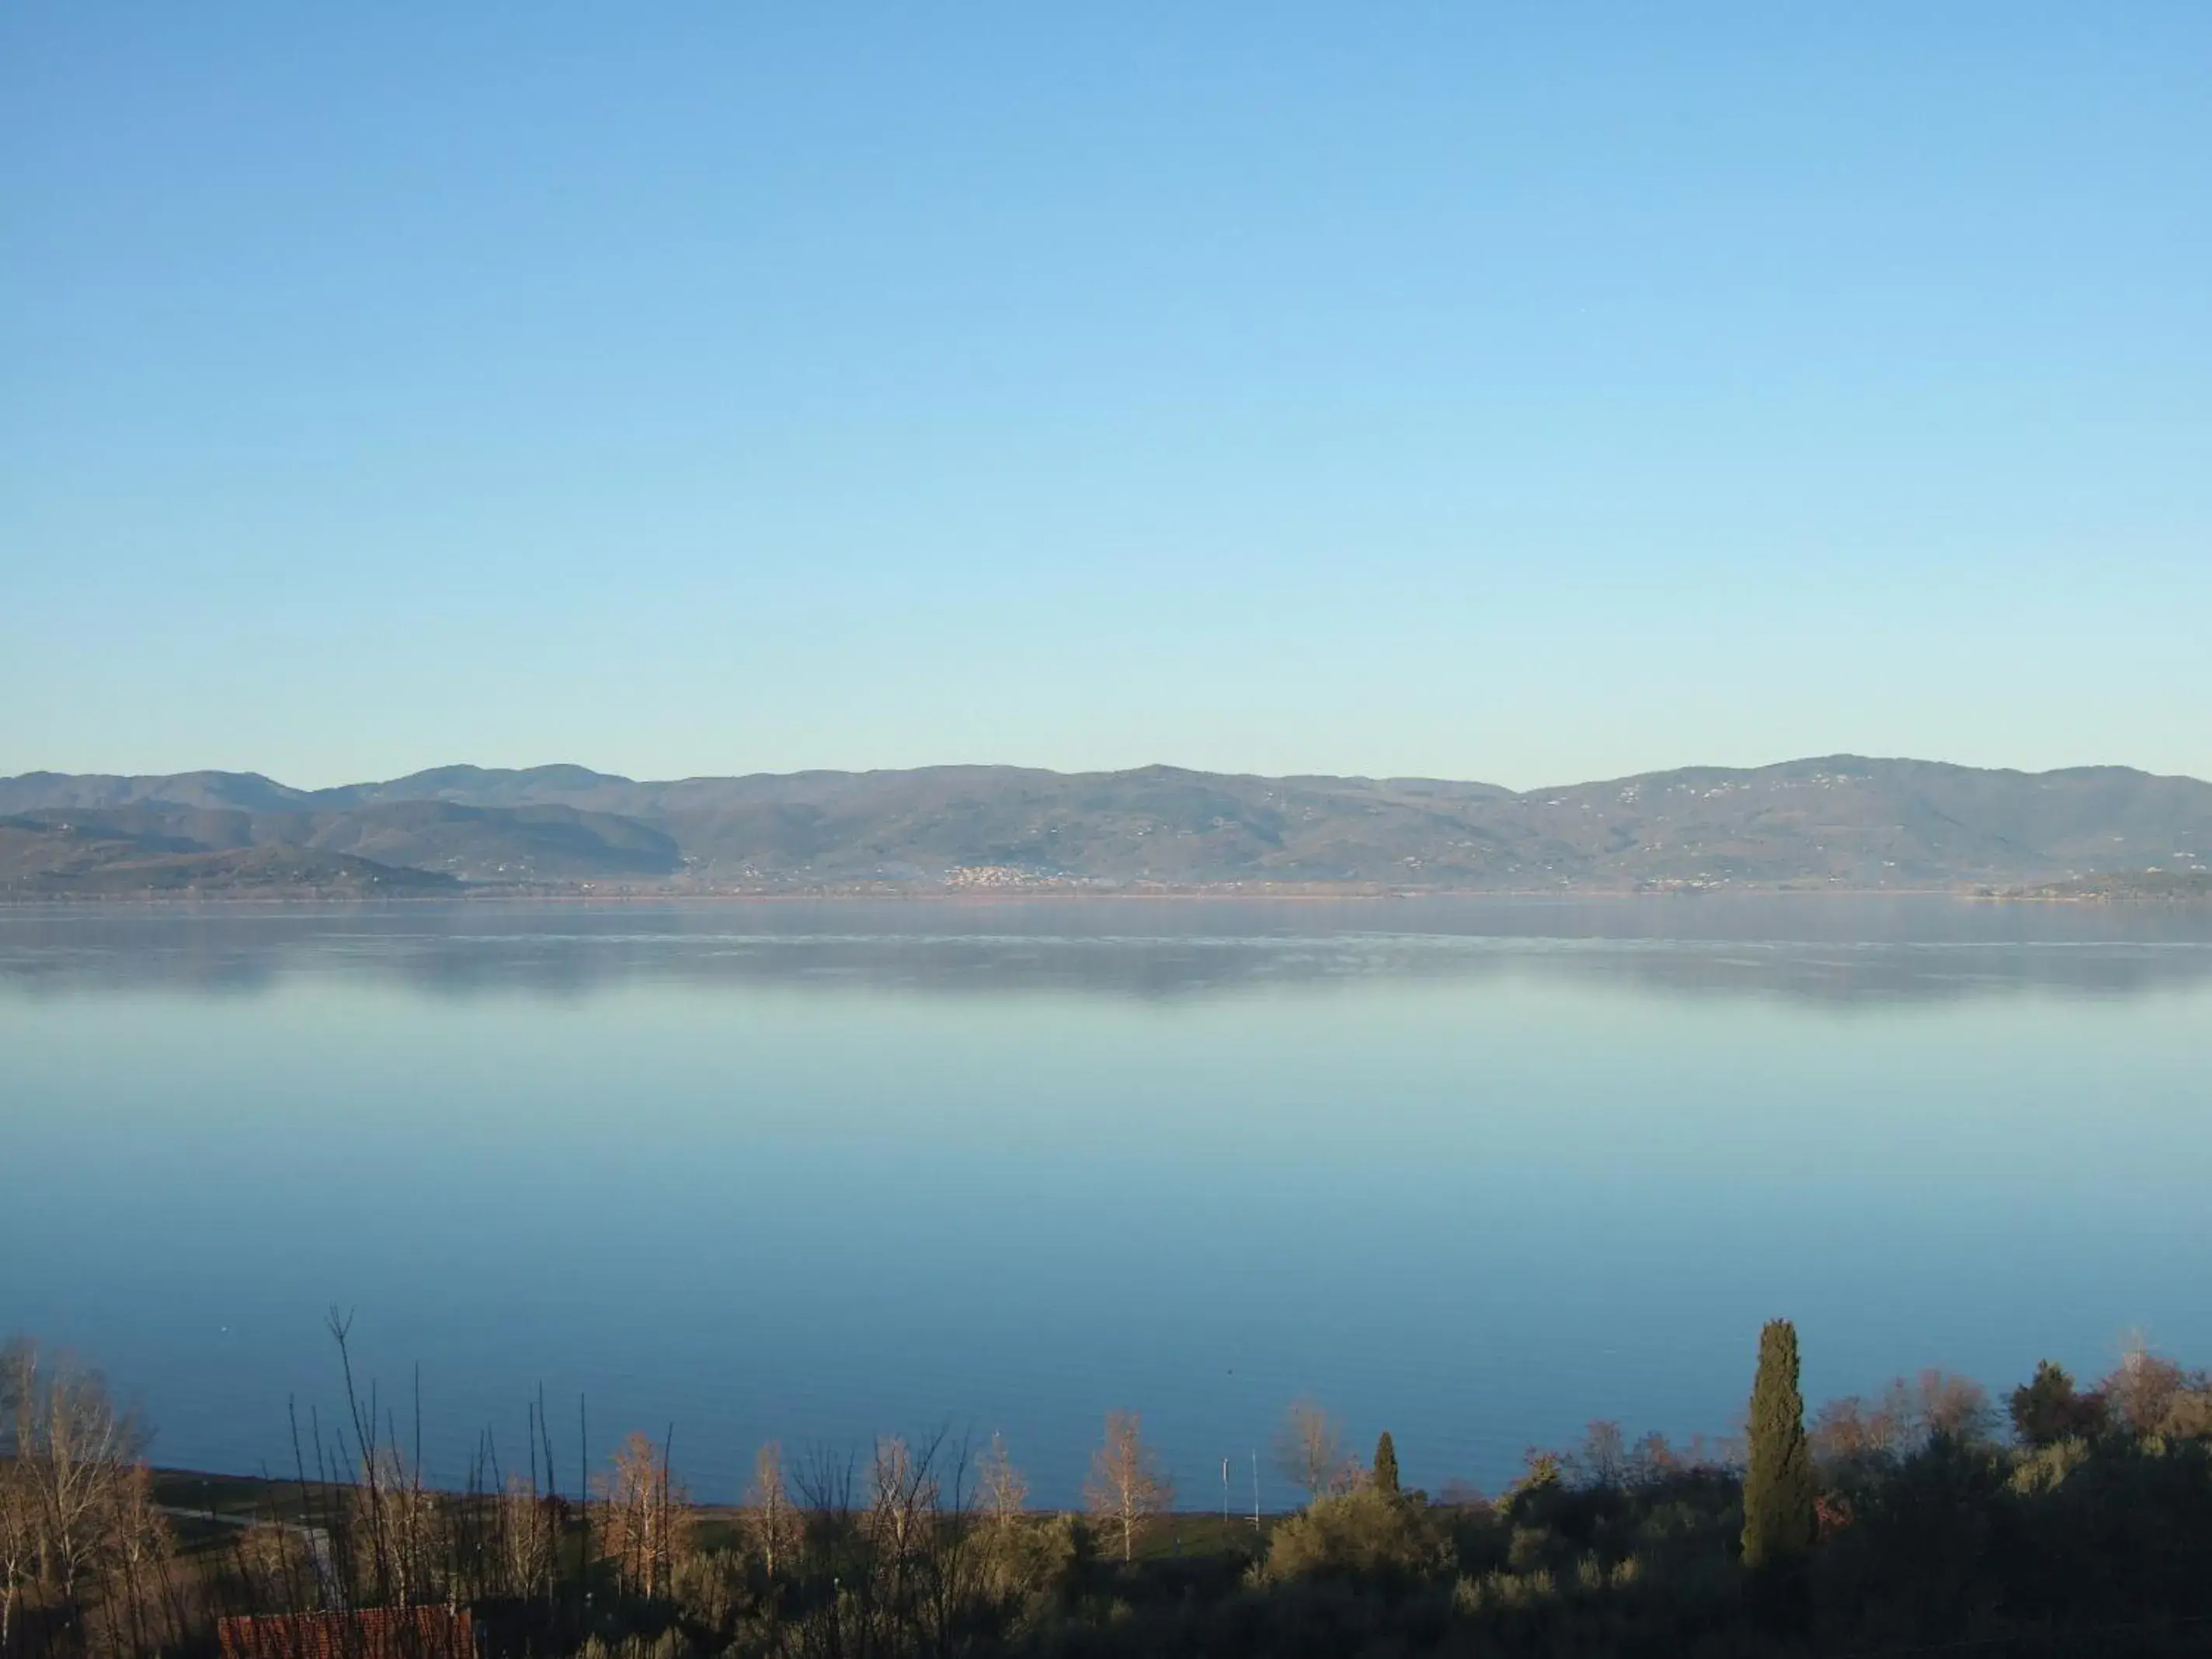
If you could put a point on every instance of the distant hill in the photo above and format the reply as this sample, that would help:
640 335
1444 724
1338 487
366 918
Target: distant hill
1841 823
43 861
473 843
241 791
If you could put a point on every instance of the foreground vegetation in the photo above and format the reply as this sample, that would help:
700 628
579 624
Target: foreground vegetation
2076 1522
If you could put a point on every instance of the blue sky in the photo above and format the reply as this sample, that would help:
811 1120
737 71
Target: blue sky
1528 393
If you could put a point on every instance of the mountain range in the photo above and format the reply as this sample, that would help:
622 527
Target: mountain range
1840 822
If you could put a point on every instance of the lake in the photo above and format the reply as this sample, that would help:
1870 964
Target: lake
1476 1171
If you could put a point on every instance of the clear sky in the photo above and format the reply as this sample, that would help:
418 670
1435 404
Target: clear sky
1521 392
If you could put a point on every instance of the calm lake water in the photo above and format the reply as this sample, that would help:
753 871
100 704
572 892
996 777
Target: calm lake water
1475 1171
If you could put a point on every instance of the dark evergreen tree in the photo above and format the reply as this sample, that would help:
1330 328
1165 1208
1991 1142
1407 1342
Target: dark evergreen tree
1386 1466
1780 1494
2048 1410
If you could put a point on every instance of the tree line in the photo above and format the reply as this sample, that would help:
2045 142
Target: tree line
2073 1519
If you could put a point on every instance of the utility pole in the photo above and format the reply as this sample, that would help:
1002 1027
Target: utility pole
1225 1495
1255 1489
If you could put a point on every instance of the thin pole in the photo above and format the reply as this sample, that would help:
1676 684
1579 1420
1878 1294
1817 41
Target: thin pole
584 1499
1255 1489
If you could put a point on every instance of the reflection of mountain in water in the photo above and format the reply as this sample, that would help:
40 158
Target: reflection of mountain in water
1821 949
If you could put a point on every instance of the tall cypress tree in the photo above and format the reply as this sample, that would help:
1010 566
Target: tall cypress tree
1779 1490
1386 1466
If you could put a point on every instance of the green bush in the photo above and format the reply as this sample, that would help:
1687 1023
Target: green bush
1365 1532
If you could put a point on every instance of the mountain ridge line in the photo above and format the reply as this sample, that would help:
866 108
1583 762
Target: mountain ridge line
1833 822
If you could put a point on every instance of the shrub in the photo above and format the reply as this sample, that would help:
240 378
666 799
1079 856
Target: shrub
1365 1532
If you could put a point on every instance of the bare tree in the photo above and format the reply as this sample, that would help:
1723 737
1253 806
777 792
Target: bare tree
528 1537
1651 1459
770 1518
2142 1389
1005 1491
902 1498
19 1537
382 1541
1604 1459
19 1545
1311 1449
392 1520
72 1491
1126 1485
1848 1430
276 1564
136 1551
1956 1408
647 1518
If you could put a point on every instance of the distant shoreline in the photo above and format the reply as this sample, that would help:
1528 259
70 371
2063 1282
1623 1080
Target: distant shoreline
1827 824
1226 893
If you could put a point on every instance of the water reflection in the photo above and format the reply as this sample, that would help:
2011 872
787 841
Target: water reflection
1820 949
1475 1172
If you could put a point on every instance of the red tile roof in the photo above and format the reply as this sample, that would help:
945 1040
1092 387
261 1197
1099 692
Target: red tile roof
370 1633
